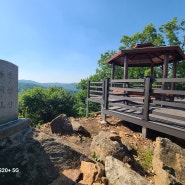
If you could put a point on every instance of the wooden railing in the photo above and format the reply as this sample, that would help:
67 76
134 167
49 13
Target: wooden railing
140 95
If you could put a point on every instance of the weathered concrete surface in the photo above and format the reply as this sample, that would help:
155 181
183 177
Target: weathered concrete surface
12 127
168 163
8 92
119 174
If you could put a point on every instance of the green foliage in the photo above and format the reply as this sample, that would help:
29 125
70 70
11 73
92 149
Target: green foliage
94 155
148 35
146 159
42 105
80 103
174 32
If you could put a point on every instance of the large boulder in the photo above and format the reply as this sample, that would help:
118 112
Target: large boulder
168 163
102 146
61 125
119 173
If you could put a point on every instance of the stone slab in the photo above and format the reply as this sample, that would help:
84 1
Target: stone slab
8 92
13 127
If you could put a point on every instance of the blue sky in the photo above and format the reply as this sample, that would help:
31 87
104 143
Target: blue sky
62 40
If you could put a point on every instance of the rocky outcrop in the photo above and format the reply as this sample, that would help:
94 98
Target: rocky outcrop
119 173
61 125
103 146
38 158
26 161
168 163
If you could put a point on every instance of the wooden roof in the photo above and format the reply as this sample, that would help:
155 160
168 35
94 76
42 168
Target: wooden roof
146 54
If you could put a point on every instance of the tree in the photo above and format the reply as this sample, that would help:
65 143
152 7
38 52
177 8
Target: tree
42 105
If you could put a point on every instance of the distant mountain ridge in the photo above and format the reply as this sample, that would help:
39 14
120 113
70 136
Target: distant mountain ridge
24 85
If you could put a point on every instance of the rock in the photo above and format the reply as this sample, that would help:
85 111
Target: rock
78 128
168 163
72 174
92 172
61 125
28 158
103 146
68 177
119 174
114 136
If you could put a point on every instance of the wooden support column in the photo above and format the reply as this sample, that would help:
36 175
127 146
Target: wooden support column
174 72
125 67
112 71
87 108
152 71
165 72
165 68
125 75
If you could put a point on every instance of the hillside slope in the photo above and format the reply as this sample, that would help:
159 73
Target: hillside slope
24 85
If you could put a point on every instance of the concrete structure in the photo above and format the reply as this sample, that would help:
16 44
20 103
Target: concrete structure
9 122
8 92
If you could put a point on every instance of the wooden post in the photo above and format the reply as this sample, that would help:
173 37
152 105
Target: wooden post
88 89
146 103
103 115
87 108
125 67
165 69
174 74
112 71
165 73
88 96
106 100
102 105
152 71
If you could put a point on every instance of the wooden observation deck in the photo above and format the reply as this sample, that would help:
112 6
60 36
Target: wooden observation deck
141 101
